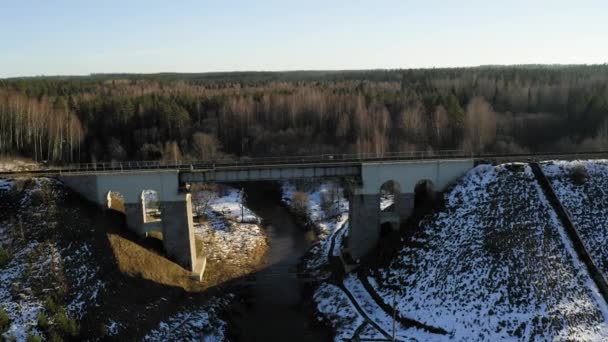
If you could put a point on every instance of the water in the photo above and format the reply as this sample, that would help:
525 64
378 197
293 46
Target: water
277 310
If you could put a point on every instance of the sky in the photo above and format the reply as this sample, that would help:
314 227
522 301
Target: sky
76 37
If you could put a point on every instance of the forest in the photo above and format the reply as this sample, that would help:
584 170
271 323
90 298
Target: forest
497 109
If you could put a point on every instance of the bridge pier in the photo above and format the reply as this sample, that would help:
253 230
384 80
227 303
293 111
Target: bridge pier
178 231
364 224
135 216
365 219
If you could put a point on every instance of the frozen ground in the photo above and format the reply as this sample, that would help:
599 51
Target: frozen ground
587 203
330 226
495 264
41 264
231 232
337 309
197 324
326 220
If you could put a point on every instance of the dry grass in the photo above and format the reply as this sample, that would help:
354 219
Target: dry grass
219 271
136 260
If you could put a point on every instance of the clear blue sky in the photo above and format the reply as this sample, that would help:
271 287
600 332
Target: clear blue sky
53 37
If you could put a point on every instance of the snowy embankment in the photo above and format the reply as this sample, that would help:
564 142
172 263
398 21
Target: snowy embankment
231 232
7 165
326 208
495 263
587 203
42 264
197 324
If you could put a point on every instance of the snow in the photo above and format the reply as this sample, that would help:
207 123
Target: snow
84 282
386 200
325 222
586 203
40 264
330 227
195 324
5 185
230 206
335 307
379 316
113 327
24 307
494 264
231 231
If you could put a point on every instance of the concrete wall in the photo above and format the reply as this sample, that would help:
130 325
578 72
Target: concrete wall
408 173
364 227
269 173
86 186
129 185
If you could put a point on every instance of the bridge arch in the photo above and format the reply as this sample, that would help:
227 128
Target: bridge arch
389 194
115 201
150 202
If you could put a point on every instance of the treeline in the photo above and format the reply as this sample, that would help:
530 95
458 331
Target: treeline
201 116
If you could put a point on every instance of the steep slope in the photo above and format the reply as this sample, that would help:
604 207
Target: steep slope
75 272
495 263
587 203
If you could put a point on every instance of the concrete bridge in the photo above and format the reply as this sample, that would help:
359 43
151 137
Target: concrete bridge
171 181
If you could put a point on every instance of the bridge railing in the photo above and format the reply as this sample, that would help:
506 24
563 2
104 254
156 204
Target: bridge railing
124 166
117 166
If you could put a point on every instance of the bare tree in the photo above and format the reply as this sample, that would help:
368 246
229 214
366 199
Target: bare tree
480 125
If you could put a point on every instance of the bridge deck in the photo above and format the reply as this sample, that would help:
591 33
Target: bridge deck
325 161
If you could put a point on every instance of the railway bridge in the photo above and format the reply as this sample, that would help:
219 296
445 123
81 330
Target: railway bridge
171 181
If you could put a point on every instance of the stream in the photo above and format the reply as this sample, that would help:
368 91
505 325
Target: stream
276 308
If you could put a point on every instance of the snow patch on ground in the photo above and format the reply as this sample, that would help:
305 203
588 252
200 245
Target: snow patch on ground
335 307
199 324
231 230
23 307
330 227
325 222
6 184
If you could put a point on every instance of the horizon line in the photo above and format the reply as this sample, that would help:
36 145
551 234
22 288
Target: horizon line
252 71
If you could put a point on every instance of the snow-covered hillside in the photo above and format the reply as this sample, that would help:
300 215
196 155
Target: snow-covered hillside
495 263
587 203
203 323
44 264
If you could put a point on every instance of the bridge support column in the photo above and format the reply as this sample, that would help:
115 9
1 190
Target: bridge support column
178 231
134 213
364 225
404 205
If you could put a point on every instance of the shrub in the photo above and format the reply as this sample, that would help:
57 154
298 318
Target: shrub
43 322
579 174
300 203
5 321
49 305
65 324
31 337
4 257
